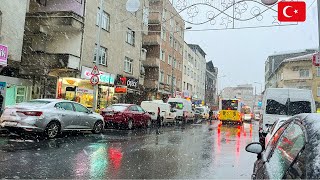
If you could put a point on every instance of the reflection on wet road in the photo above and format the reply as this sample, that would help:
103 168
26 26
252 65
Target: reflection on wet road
196 151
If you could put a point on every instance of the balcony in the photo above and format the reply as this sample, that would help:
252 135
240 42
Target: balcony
150 40
154 18
151 62
39 63
151 84
59 21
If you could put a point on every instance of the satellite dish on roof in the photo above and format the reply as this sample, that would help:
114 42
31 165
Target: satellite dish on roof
132 5
269 2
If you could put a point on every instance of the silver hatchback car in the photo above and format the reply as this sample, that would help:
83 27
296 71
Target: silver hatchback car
51 116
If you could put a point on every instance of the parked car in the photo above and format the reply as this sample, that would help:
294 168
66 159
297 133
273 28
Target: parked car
163 109
274 128
292 152
126 115
257 114
183 108
283 102
50 116
202 112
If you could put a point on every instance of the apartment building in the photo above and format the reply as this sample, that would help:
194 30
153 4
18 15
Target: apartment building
164 44
299 72
60 50
273 62
13 86
211 95
194 69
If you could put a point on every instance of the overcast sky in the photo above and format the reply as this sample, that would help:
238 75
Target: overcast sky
240 54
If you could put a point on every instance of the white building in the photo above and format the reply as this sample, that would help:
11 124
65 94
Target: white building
194 70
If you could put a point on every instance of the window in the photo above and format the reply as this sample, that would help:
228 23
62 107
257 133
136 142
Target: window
133 108
140 109
80 108
304 73
286 107
318 71
20 94
102 55
64 106
290 144
169 60
184 85
318 91
128 65
171 40
130 37
105 21
185 69
188 72
168 79
161 76
164 14
174 63
175 45
164 34
174 81
162 55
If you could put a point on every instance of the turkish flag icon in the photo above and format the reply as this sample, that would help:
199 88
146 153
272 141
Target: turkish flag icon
292 11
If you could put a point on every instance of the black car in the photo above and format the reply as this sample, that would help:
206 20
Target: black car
293 151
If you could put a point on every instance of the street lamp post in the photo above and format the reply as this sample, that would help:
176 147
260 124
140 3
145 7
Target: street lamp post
172 60
255 93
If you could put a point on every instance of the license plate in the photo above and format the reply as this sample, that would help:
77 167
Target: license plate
9 124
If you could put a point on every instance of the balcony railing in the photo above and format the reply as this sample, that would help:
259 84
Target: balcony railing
151 62
153 39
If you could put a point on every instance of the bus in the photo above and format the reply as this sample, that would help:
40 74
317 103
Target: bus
229 111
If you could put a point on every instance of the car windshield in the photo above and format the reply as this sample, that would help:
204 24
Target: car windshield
176 105
153 89
289 108
229 105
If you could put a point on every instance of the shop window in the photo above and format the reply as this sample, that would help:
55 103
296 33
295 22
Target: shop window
105 21
103 52
128 65
21 93
130 37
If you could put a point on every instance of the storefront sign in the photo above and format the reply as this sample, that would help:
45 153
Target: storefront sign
103 77
3 55
130 82
83 90
120 90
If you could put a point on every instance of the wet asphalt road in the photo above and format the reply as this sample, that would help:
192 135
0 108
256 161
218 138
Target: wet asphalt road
197 151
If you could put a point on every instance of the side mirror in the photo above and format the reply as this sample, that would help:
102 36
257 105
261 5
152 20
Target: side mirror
254 147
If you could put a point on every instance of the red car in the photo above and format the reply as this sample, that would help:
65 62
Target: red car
126 115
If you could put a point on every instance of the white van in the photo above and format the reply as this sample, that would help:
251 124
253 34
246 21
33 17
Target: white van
165 111
203 112
183 109
281 103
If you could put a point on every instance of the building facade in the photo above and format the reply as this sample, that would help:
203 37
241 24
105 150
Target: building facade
14 87
164 44
299 72
273 61
60 50
211 94
193 78
243 92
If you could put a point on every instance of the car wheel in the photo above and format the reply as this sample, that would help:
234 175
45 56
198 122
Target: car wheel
130 124
52 130
98 127
149 123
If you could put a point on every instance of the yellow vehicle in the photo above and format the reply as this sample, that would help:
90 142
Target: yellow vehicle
229 111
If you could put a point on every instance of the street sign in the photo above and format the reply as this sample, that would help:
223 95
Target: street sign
259 103
316 59
95 70
94 80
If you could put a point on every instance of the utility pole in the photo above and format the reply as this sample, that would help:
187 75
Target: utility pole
95 90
